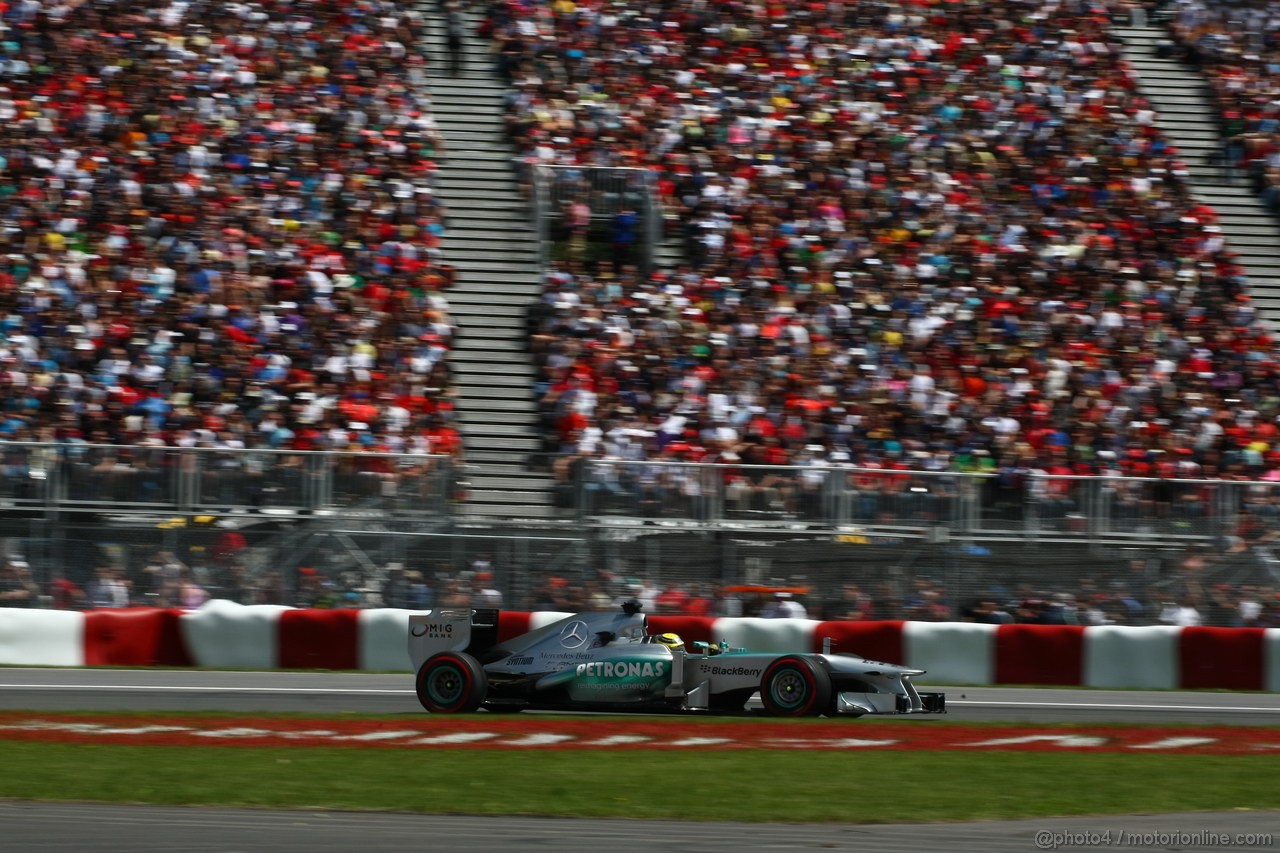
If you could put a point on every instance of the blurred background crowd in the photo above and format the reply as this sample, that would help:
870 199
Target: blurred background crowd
1188 596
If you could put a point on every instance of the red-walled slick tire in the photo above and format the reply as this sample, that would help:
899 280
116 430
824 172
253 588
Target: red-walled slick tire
451 683
795 687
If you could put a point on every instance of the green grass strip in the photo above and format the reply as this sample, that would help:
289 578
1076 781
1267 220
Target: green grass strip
750 785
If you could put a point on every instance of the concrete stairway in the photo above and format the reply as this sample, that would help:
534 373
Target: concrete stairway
1188 117
670 251
492 244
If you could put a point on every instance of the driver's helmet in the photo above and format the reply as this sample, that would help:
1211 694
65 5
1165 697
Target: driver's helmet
670 640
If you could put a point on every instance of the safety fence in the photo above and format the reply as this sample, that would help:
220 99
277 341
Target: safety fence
333 560
70 477
1014 502
1027 505
304 528
346 560
222 634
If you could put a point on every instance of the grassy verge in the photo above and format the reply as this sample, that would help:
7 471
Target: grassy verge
750 785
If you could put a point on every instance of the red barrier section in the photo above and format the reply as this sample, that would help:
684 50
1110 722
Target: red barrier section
880 641
690 628
1223 658
319 639
512 623
1040 654
135 636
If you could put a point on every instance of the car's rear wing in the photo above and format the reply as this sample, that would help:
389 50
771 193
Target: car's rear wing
451 630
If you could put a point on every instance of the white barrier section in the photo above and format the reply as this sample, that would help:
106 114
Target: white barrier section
765 635
41 637
384 639
1271 659
1139 658
541 618
951 652
226 634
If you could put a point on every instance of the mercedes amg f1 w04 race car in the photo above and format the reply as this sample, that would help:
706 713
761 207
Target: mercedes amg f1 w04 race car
609 661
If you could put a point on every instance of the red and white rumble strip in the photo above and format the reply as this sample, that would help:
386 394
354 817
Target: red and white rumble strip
613 734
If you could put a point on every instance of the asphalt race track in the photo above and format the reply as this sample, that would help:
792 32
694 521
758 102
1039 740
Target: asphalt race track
67 827
73 828
333 693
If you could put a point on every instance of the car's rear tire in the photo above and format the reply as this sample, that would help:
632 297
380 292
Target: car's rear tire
451 683
795 686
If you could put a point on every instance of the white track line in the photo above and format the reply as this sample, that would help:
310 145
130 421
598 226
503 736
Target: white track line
107 688
1108 705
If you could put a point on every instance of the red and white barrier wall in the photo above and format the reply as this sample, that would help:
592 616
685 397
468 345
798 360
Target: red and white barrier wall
222 634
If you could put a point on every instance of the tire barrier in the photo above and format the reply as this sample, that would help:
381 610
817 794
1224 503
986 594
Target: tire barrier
381 640
226 635
1144 658
692 629
1271 660
135 636
880 641
231 636
42 637
951 652
320 639
1040 654
766 635
1231 658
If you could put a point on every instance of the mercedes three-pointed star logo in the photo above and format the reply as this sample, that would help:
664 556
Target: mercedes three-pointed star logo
574 634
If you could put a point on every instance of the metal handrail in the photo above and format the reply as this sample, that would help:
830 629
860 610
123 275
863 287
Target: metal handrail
962 501
131 478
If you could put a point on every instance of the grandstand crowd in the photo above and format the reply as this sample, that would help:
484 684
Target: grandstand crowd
919 237
925 236
217 226
1235 46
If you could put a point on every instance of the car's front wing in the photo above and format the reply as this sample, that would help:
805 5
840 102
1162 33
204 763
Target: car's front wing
860 686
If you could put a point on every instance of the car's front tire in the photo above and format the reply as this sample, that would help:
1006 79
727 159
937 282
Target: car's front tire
795 686
451 683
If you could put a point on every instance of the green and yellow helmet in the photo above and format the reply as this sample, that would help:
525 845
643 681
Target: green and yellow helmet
670 640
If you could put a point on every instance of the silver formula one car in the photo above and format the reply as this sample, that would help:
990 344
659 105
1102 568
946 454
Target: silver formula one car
610 662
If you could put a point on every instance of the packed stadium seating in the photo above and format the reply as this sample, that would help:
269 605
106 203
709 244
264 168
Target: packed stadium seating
218 226
954 232
1235 47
